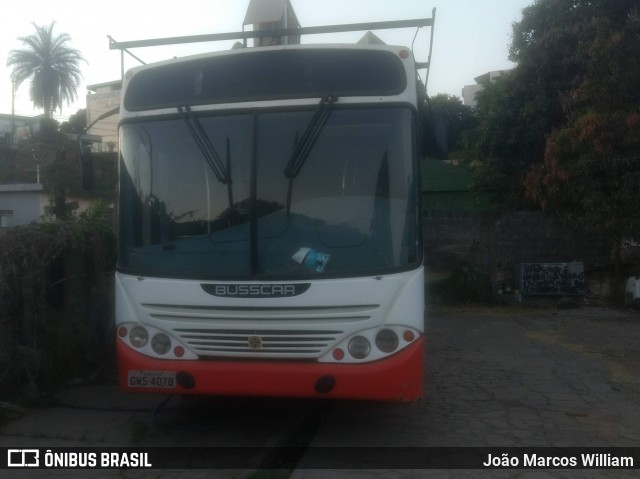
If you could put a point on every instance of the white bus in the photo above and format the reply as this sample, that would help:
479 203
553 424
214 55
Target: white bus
269 224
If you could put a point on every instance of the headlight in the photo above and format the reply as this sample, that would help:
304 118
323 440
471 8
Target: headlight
359 347
161 343
138 337
387 341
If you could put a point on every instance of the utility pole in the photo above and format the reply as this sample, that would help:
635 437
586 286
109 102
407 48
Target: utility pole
13 113
37 161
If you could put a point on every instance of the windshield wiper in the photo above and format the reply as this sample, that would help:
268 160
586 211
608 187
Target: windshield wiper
308 139
221 170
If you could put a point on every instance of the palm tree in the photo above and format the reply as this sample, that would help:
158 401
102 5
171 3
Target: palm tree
52 66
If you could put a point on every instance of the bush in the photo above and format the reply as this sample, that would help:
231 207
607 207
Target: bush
466 284
55 301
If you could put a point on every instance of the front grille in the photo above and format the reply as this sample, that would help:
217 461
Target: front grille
209 341
284 332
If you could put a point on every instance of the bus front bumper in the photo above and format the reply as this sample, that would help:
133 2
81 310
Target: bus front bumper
396 378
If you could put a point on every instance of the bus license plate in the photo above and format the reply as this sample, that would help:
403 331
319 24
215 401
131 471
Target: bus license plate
152 379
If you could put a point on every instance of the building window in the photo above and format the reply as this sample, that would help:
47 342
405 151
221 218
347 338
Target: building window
6 218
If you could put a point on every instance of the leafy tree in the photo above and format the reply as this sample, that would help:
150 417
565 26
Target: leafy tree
76 123
561 131
57 157
48 133
513 122
523 107
591 170
50 64
457 117
591 174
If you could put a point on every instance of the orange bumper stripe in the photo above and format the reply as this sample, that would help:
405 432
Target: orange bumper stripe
397 378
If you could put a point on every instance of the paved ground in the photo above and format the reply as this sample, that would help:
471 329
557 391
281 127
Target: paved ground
510 377
494 377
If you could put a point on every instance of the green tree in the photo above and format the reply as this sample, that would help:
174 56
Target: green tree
52 66
572 57
76 123
513 115
519 111
590 172
561 131
456 116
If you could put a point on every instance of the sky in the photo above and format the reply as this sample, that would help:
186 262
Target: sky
471 37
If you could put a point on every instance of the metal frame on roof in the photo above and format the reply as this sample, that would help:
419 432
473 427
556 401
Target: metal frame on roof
245 35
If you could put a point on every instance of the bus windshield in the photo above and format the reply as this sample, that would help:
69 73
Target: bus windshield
349 210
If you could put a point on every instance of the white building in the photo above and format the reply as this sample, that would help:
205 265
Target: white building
15 128
25 203
469 91
21 204
101 99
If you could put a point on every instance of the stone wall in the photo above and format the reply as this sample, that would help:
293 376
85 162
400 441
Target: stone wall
496 243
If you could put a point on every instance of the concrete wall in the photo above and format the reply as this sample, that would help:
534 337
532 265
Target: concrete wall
21 204
24 202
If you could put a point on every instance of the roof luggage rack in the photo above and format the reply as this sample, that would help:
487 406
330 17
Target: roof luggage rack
245 35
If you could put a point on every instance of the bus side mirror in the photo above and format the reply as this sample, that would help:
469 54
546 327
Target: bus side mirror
435 143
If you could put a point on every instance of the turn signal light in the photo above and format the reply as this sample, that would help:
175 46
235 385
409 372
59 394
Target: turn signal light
338 354
409 336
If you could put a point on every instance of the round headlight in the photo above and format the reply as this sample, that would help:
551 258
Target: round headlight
359 347
161 343
138 336
387 341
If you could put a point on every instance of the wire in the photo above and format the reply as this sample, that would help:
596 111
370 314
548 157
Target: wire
414 37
